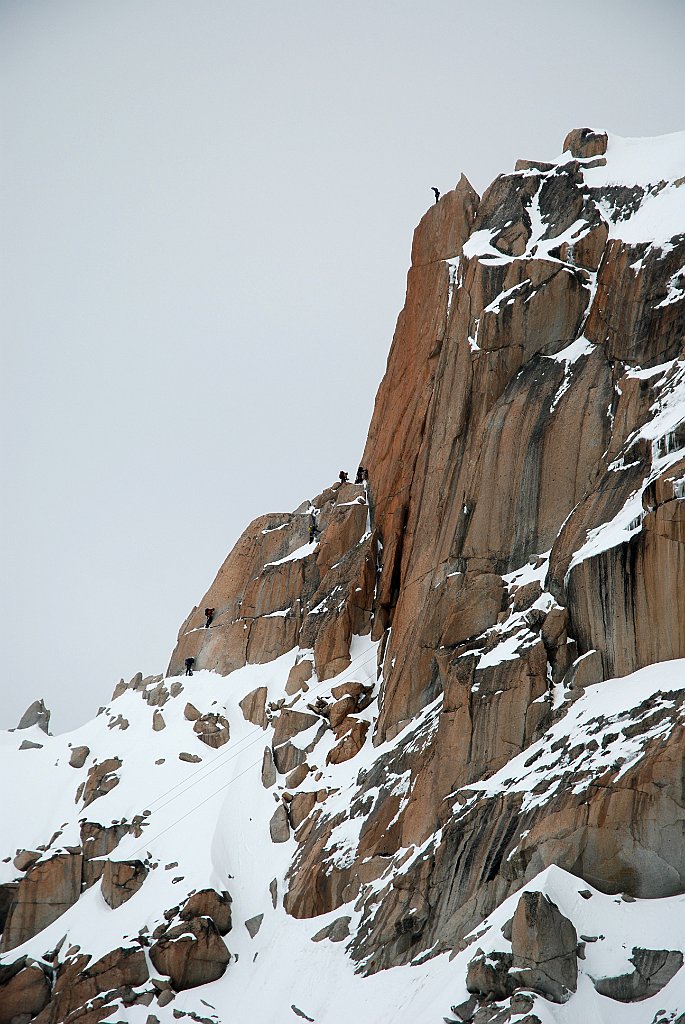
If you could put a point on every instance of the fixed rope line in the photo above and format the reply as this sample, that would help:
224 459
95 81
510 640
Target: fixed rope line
224 758
235 778
211 766
207 769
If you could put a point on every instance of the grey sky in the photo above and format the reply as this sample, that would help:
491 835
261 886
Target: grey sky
206 211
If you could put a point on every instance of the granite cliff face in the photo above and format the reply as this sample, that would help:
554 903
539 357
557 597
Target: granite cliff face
465 694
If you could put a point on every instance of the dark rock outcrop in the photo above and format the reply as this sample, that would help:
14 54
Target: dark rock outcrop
654 968
544 948
35 714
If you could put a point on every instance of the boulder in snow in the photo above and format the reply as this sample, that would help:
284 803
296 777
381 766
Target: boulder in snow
544 947
35 714
654 968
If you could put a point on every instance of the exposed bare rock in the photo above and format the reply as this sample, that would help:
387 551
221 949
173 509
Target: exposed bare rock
299 676
35 714
92 871
120 689
191 954
8 894
584 142
629 314
544 948
300 806
30 745
25 859
465 1010
212 729
253 707
269 775
290 723
190 712
253 924
158 722
445 226
121 880
24 994
340 710
297 776
519 541
489 977
504 211
349 745
79 756
45 892
119 723
288 756
279 826
654 968
209 903
99 840
336 931
587 250
359 691
98 984
101 779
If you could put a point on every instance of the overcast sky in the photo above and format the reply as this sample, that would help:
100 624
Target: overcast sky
206 210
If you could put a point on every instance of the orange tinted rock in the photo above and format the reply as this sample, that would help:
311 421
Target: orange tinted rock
298 677
121 880
290 723
209 903
629 316
340 709
101 779
349 745
585 142
212 729
45 892
191 954
445 225
24 995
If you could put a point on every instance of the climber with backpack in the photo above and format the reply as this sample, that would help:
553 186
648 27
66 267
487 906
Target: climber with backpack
189 666
209 616
314 531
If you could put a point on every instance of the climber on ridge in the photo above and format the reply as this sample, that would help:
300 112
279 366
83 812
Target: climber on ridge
314 531
189 666
343 476
360 475
209 615
437 194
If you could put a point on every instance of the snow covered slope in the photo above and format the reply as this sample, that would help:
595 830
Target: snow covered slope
429 762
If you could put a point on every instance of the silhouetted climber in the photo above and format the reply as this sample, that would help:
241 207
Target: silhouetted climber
189 666
209 615
360 475
314 531
437 194
366 475
343 476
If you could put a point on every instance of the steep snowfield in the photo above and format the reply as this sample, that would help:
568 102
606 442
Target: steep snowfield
209 825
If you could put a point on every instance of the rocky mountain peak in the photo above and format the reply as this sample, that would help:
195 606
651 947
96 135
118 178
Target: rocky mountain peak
431 720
